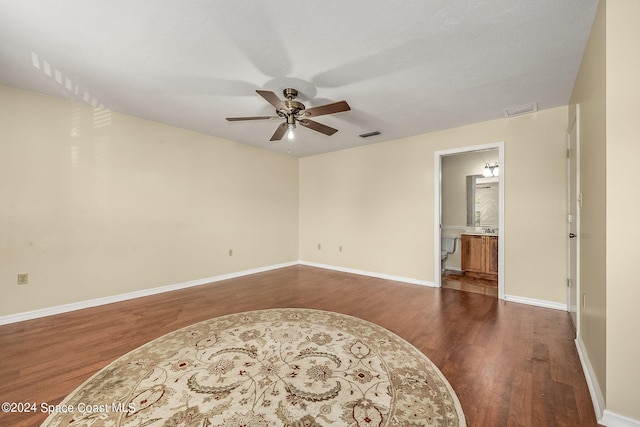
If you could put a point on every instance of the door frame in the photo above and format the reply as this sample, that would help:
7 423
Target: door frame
437 202
574 159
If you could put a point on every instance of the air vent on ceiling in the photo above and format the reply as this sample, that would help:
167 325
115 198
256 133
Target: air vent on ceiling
368 134
520 110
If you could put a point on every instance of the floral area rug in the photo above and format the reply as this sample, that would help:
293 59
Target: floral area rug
278 367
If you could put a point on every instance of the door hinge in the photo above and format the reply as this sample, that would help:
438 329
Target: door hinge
568 153
568 283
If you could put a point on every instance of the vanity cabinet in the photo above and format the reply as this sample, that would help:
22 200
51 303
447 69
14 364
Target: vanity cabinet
480 256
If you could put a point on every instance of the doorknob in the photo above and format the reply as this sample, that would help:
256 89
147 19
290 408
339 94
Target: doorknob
572 235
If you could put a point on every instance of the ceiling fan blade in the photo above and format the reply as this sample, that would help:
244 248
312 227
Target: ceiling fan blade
327 130
238 119
336 107
272 99
279 133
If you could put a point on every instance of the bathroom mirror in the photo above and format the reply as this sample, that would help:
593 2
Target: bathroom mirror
482 201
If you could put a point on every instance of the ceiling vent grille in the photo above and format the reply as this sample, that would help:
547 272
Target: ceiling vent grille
520 110
368 134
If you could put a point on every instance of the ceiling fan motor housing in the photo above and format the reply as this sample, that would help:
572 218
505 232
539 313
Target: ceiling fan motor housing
290 93
293 106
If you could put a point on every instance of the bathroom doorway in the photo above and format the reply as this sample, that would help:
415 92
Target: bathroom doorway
469 206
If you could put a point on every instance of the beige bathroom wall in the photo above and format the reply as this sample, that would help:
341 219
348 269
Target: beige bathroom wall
455 169
376 202
96 204
589 92
623 205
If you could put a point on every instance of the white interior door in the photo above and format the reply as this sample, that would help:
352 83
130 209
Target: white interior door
573 218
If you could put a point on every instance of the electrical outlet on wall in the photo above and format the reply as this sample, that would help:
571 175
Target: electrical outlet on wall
23 278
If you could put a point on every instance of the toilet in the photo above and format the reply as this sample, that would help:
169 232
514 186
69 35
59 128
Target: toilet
447 246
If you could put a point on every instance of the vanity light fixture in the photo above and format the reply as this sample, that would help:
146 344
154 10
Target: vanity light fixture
490 171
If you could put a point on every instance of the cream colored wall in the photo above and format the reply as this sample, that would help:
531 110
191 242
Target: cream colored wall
97 204
589 92
370 201
623 205
377 202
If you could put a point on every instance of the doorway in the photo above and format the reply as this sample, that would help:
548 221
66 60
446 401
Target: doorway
456 224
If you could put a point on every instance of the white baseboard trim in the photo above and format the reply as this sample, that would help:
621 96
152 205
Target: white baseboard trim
592 381
49 311
370 274
605 417
536 302
611 419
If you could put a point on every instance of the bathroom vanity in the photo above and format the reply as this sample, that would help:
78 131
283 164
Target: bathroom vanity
480 255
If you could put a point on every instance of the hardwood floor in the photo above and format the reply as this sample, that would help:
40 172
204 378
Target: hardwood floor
461 282
510 364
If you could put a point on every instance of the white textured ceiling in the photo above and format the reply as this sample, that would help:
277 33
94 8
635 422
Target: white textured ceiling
405 67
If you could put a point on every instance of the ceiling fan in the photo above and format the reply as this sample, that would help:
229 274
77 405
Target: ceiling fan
294 113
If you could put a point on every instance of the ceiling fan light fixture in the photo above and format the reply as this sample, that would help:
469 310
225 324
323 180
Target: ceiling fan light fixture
293 112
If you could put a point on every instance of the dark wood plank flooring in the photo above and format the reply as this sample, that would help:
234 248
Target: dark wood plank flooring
510 364
462 282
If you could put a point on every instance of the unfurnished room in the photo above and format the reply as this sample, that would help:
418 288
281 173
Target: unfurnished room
313 214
